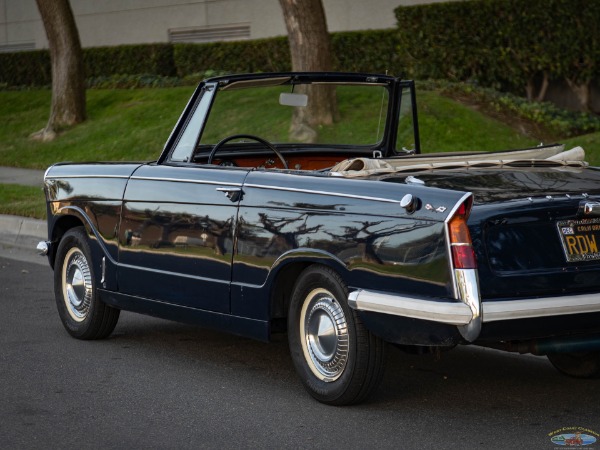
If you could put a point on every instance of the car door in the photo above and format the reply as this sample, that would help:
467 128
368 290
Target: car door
176 235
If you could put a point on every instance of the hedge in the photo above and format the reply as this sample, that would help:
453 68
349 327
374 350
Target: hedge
262 55
506 44
364 51
25 68
501 43
155 59
373 51
33 68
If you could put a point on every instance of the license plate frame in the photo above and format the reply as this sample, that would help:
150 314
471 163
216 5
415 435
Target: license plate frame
580 239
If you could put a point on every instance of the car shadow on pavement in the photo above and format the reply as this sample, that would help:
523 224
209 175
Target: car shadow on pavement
463 376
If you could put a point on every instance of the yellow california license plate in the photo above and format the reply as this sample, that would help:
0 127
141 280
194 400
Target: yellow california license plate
580 239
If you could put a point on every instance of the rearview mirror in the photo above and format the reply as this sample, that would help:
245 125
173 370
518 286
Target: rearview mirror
291 99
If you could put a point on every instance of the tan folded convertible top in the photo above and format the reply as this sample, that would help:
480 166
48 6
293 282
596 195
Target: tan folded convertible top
538 157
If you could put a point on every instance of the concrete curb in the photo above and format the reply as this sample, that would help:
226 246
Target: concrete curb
15 228
19 237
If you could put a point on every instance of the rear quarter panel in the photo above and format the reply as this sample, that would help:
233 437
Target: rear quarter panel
356 226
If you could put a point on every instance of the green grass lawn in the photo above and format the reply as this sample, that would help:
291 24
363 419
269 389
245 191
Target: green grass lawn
24 201
591 145
122 125
133 125
446 125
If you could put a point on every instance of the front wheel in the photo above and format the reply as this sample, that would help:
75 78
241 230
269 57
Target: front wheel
339 361
578 365
83 315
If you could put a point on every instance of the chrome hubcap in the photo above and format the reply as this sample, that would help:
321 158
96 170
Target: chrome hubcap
77 284
324 333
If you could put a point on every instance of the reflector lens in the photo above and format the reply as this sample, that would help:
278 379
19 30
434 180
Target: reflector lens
463 257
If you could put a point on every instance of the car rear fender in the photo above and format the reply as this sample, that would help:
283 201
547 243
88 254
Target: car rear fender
462 308
286 270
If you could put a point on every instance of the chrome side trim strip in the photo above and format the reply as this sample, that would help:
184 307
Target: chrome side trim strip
540 307
329 194
46 172
453 313
54 177
217 183
185 180
103 265
168 272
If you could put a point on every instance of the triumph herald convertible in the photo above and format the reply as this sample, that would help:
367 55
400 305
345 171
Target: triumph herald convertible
301 203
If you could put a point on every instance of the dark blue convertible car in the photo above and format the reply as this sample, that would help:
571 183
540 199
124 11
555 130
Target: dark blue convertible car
301 203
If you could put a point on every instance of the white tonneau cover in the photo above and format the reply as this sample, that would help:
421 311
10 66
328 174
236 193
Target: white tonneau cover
554 156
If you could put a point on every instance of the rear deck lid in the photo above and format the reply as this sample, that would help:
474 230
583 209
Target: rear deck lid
535 231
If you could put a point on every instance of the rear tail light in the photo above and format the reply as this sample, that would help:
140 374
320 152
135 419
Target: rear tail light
463 256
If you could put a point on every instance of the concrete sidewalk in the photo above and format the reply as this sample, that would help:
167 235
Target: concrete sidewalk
25 177
19 235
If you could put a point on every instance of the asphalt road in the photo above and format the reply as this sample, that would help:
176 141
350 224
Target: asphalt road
160 384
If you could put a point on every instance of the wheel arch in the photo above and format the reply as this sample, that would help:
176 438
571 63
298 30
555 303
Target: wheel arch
68 218
61 225
287 270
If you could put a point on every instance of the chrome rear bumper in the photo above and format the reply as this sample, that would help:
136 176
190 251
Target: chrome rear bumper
460 314
415 308
541 307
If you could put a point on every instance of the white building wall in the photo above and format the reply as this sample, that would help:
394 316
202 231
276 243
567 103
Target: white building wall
114 22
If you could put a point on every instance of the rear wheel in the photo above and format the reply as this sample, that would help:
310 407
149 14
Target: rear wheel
579 365
339 361
83 315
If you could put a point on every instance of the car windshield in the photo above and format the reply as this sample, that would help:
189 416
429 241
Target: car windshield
340 114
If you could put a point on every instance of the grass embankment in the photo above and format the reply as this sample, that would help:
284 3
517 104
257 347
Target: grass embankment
122 125
133 125
26 201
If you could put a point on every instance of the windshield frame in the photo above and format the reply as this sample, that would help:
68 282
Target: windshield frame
212 86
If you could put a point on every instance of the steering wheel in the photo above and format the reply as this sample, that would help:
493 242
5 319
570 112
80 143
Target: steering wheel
222 142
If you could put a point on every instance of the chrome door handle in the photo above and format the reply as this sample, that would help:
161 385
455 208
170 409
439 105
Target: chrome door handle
233 194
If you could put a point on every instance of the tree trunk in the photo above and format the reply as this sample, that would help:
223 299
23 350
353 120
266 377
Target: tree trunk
543 88
582 91
68 80
530 89
310 48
